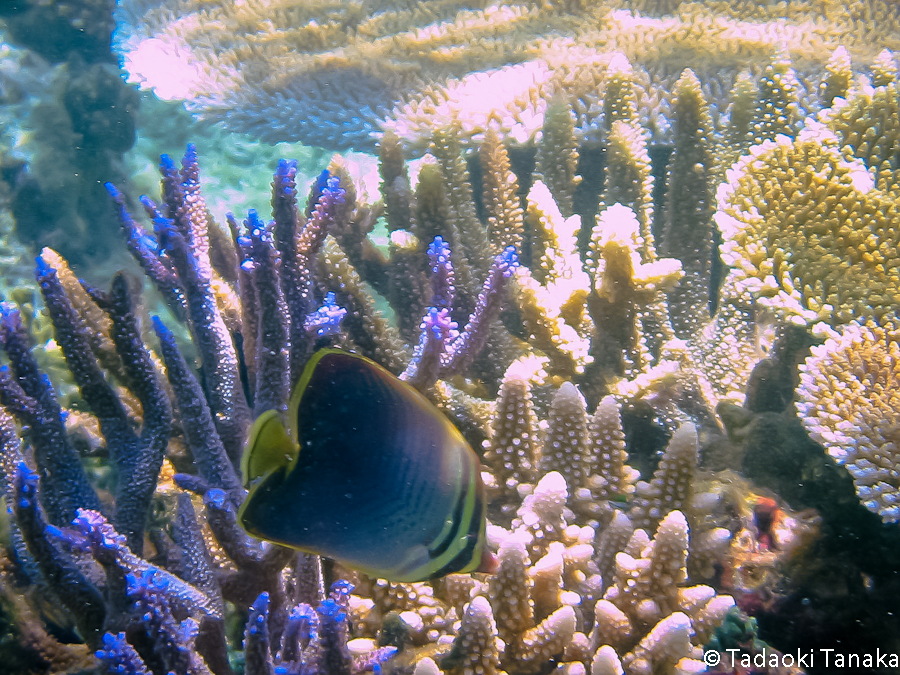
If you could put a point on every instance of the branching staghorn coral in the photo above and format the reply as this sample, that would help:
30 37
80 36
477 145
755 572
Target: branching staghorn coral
630 323
529 638
183 628
559 475
688 223
645 610
588 456
331 76
177 622
551 297
543 590
671 488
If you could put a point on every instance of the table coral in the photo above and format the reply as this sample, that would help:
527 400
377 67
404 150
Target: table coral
809 224
807 232
335 75
848 401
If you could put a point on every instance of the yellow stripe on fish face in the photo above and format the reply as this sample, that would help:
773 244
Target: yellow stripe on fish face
268 448
477 506
271 445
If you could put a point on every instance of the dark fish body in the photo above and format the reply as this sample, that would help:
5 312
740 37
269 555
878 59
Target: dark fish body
369 473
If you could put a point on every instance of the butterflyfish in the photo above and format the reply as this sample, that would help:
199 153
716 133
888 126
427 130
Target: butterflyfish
366 472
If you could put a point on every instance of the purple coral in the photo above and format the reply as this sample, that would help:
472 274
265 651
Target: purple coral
438 330
273 332
183 238
326 320
117 657
172 640
75 591
257 644
147 251
473 337
249 353
443 350
30 397
209 453
443 290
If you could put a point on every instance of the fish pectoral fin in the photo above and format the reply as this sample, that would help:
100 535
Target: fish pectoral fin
268 448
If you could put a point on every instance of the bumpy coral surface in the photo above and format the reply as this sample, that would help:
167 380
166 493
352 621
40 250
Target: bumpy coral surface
849 400
807 229
548 339
332 74
173 615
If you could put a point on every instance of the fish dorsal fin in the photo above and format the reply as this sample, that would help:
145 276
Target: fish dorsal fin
268 448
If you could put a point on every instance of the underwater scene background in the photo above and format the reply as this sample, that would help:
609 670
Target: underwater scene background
641 254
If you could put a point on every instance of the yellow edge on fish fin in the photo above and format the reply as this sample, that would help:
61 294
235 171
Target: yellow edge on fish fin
460 541
471 498
268 448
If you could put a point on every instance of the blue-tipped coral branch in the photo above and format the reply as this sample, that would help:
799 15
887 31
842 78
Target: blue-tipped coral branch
438 331
182 237
443 351
118 657
296 282
443 290
171 641
463 350
137 458
71 335
256 312
196 565
137 480
272 339
306 247
92 532
146 251
326 320
257 643
78 594
30 397
208 452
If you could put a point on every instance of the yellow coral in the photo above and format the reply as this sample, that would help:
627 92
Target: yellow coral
867 124
849 400
806 231
552 296
626 304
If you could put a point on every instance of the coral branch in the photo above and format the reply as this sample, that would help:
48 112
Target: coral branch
206 447
31 398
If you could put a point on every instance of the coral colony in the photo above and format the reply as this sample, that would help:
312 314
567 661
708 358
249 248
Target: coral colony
335 74
651 483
